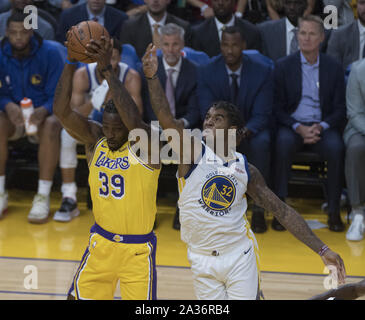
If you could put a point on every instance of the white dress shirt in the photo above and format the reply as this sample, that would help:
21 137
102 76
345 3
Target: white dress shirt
220 25
362 37
237 72
289 35
176 67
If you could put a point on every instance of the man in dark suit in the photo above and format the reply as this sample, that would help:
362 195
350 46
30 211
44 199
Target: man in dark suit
179 78
279 36
144 29
347 43
112 19
248 83
310 109
207 35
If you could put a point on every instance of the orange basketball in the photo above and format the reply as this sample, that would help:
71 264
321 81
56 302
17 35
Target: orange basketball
81 35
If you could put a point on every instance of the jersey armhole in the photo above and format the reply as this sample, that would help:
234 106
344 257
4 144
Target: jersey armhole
140 160
192 168
246 167
93 153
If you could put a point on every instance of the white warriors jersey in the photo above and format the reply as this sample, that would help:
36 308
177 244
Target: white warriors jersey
93 80
213 202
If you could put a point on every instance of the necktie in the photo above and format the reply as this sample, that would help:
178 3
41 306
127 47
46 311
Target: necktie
294 41
169 90
234 88
95 19
156 35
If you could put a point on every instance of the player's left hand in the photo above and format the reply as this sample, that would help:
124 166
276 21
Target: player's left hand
150 62
332 259
100 51
38 116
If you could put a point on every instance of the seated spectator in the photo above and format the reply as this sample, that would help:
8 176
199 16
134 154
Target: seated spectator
207 35
280 36
31 68
354 137
247 83
90 91
344 10
45 29
178 76
347 43
112 19
310 111
141 30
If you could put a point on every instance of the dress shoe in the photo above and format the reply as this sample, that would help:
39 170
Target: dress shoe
335 224
276 225
176 222
258 223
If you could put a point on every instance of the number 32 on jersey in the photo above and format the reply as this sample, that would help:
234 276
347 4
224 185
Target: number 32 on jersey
113 185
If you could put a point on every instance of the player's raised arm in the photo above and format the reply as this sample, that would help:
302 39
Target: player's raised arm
162 110
76 125
101 51
291 220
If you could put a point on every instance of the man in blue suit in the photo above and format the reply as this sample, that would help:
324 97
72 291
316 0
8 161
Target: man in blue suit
112 19
248 83
310 110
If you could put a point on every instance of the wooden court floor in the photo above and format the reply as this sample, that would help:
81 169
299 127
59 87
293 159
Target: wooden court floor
289 269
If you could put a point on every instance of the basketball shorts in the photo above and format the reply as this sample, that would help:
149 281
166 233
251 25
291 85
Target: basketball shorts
110 257
230 274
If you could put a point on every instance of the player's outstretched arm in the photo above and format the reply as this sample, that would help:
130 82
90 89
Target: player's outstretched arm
291 220
76 125
161 108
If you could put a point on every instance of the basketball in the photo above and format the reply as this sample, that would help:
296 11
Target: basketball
81 35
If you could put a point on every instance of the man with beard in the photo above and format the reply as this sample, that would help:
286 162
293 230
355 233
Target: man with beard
280 36
144 29
347 43
208 35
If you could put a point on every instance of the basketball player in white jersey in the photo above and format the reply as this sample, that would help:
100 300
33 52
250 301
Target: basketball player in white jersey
222 249
90 91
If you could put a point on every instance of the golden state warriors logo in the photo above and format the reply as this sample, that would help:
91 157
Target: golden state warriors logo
218 193
35 79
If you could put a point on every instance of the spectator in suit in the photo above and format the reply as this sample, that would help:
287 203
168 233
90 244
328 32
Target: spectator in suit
247 83
207 35
32 68
112 19
280 36
45 29
178 76
347 43
310 111
354 137
143 29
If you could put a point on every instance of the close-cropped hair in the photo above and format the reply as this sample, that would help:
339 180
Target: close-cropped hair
16 16
171 29
233 30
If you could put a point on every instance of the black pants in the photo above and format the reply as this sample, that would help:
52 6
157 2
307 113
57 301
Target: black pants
330 148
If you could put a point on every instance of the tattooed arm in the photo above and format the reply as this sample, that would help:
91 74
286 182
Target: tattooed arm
290 219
